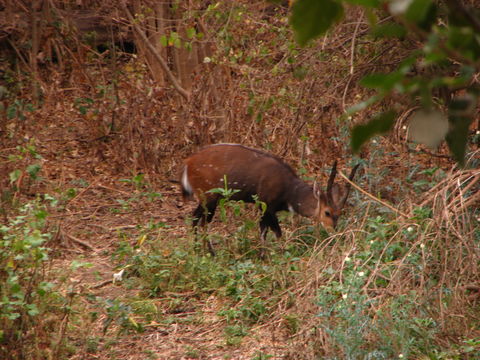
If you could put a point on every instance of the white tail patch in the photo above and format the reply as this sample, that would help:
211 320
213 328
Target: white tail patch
185 183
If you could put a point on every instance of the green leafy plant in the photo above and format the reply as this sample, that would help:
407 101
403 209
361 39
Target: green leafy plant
18 108
25 294
122 314
142 187
449 52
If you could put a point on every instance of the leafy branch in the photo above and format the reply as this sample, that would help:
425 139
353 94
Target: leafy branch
448 59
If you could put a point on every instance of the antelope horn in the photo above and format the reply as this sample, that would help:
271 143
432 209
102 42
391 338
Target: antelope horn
347 190
316 191
331 179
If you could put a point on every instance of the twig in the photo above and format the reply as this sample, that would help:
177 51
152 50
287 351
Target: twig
102 284
429 153
374 198
80 194
80 242
352 58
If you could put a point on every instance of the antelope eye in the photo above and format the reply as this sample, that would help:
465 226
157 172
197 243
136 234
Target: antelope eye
327 213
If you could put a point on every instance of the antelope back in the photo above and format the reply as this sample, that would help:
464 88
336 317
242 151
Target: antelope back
251 171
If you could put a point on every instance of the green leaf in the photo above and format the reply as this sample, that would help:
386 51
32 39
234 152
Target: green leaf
364 104
422 13
177 43
191 32
163 41
15 175
312 18
35 238
12 316
11 111
460 117
389 30
365 3
32 309
33 170
464 40
380 124
382 81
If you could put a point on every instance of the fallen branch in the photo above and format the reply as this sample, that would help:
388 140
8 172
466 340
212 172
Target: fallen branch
79 242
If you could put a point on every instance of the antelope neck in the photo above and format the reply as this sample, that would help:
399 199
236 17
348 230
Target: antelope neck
302 199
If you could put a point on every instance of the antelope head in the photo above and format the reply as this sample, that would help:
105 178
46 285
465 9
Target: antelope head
331 202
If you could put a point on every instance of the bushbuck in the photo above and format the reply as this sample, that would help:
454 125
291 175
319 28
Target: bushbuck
255 174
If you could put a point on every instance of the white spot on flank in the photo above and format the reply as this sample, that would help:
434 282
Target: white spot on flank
184 181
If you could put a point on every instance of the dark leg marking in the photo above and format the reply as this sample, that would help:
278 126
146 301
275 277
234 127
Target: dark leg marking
268 220
203 214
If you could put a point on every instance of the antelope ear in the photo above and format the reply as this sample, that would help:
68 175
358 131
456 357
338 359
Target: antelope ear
322 197
338 194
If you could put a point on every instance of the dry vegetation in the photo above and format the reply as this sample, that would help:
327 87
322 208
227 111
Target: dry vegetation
91 135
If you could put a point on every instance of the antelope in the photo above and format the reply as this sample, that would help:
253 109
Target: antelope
257 174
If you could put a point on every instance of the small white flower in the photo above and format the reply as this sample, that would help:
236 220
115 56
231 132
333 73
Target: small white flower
361 273
477 132
207 60
410 229
422 246
118 276
404 127
374 141
400 356
347 259
344 296
371 241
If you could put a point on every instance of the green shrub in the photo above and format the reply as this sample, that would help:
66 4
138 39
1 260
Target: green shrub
26 296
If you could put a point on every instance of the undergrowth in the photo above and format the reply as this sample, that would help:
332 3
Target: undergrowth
386 288
30 303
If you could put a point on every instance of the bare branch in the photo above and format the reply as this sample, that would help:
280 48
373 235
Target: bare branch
163 63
